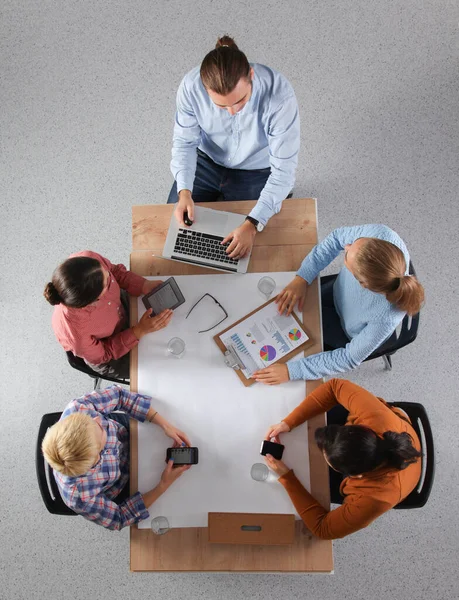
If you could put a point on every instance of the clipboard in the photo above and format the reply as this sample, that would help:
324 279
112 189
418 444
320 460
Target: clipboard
233 360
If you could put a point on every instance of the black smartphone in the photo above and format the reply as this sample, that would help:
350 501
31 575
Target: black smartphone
183 455
272 448
166 295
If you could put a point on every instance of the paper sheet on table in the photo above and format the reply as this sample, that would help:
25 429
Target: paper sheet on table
225 420
263 338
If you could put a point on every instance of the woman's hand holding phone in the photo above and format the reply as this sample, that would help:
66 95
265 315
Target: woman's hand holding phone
275 430
180 438
279 467
171 474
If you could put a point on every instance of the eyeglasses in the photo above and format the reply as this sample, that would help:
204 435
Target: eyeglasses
217 303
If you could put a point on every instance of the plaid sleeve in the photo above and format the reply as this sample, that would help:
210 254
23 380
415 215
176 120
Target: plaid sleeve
107 513
110 399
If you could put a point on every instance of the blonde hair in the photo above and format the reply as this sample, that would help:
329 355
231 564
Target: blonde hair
70 446
380 266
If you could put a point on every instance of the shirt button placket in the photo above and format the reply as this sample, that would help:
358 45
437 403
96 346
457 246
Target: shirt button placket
235 137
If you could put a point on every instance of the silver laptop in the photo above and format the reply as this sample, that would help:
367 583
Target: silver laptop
200 244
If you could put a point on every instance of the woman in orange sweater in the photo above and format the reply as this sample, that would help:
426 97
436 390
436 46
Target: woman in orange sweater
377 452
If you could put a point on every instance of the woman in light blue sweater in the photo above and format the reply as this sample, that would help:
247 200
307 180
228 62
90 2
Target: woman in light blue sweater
371 295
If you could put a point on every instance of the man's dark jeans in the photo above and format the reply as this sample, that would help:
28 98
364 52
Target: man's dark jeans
213 182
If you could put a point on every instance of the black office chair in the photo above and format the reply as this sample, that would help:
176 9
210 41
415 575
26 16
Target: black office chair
407 334
421 425
46 482
420 422
79 364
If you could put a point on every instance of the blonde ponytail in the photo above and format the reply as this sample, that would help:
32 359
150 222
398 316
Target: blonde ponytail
380 266
408 296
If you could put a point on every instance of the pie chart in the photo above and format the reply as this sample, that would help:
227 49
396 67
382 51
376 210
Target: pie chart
267 353
294 334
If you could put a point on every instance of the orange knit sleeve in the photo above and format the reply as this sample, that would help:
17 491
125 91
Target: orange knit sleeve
364 407
359 402
319 401
355 513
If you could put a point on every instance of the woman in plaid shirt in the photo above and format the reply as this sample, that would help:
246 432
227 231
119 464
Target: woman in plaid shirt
88 450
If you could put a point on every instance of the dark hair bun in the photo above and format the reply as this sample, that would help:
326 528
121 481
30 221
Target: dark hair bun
226 40
51 294
398 449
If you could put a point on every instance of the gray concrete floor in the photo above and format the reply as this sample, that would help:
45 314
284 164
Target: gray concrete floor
87 95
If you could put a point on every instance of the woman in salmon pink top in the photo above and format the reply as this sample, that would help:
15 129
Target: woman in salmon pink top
376 454
91 315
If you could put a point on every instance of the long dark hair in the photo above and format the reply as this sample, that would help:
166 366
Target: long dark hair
77 282
224 66
354 449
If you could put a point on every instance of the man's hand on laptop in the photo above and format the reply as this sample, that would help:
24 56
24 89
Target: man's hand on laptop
242 240
184 205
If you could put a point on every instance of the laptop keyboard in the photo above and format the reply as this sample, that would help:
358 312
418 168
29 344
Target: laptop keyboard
203 245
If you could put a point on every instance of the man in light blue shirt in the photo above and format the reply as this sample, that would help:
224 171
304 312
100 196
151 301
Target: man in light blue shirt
236 136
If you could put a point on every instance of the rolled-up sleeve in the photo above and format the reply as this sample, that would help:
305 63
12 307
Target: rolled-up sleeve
284 145
187 135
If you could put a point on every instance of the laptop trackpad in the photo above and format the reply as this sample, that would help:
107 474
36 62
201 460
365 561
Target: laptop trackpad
213 222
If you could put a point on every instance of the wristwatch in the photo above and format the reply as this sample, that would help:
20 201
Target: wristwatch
258 226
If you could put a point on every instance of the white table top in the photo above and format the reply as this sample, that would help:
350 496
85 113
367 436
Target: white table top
225 420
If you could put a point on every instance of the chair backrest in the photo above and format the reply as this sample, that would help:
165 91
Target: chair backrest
421 425
79 364
407 334
408 330
46 482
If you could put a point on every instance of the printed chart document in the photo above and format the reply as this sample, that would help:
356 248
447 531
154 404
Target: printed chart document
263 338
